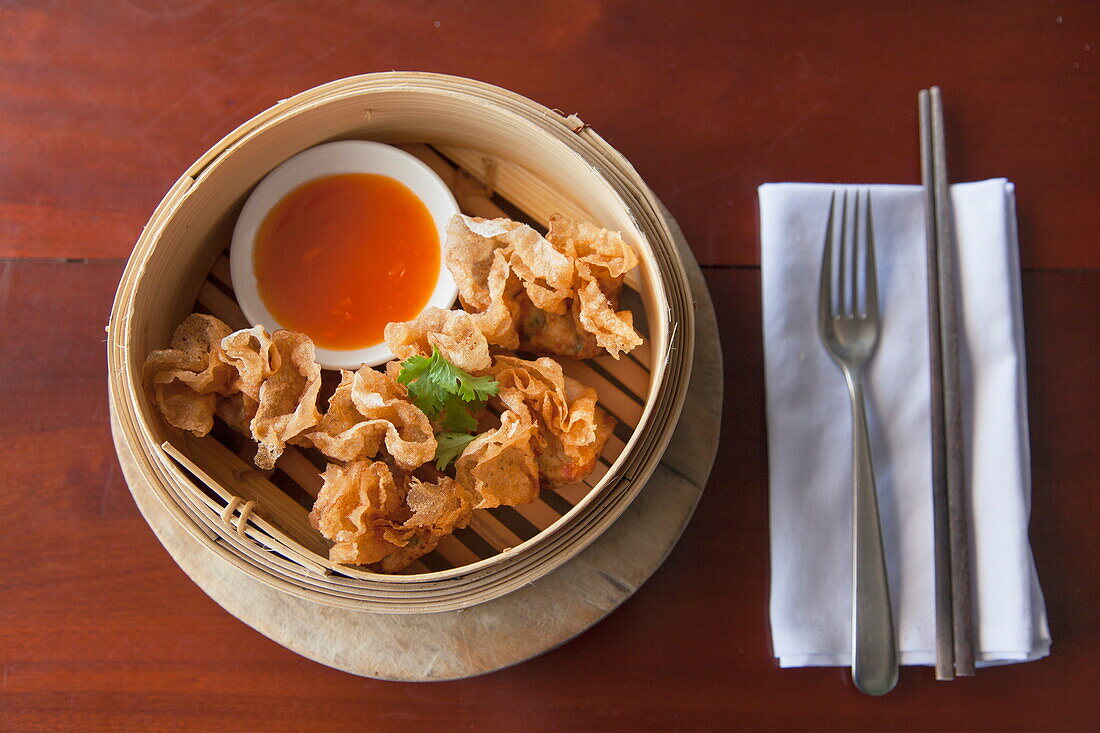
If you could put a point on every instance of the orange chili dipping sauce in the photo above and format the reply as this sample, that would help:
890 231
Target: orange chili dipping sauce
339 257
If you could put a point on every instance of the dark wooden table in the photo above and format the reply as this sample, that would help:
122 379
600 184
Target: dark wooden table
102 105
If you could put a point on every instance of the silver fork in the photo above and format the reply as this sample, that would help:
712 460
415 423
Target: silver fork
848 322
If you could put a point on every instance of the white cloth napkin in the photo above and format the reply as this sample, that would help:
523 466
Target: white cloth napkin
809 431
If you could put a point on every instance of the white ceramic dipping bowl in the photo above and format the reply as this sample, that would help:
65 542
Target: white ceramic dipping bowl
345 156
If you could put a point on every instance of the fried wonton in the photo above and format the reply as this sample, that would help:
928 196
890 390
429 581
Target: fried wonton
453 332
351 511
432 511
360 507
493 262
438 507
237 411
601 259
406 545
261 385
253 356
472 243
498 319
550 333
499 465
370 410
602 251
572 429
184 381
559 466
287 399
564 407
557 294
613 330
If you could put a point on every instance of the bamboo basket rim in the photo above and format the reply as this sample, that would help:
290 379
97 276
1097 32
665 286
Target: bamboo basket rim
620 177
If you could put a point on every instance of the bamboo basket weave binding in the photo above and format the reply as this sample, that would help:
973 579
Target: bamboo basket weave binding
502 155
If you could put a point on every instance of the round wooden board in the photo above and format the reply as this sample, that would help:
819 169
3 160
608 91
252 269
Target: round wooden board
509 629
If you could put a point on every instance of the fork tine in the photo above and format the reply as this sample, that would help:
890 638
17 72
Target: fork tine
870 276
825 289
843 273
854 279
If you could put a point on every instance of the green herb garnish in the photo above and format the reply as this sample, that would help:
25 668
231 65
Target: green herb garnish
447 394
439 388
449 447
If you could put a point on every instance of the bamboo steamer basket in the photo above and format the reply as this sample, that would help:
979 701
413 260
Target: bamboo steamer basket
502 154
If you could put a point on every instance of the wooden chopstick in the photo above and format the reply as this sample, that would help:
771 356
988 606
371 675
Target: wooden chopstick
954 629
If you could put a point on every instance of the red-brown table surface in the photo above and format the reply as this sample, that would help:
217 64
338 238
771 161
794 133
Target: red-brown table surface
103 105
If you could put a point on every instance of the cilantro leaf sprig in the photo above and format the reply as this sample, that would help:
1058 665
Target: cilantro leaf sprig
456 416
435 384
449 447
447 394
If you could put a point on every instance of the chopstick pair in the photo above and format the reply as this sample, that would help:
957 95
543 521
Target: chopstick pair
954 629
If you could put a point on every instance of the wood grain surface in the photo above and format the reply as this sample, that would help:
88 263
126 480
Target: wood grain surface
102 105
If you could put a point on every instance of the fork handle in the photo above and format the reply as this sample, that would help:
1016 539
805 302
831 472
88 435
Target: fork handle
874 651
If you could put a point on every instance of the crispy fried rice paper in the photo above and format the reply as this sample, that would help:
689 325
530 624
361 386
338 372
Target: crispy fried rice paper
288 398
551 333
557 294
262 385
252 355
499 465
360 505
560 465
454 333
184 381
601 259
439 507
351 508
370 410
573 430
